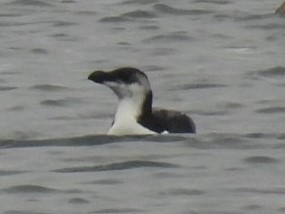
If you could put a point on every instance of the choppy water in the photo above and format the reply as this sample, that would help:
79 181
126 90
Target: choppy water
221 61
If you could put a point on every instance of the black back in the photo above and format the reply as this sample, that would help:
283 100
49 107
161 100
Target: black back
171 121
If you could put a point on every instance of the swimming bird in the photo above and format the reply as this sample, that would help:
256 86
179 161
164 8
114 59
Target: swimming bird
135 115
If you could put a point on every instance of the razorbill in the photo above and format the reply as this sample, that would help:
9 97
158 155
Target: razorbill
135 115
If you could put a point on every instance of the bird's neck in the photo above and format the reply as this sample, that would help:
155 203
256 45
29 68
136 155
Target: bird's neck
133 108
128 118
147 106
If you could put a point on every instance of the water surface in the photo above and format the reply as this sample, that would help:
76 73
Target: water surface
220 61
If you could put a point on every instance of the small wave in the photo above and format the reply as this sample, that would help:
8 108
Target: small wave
220 2
271 26
75 141
28 189
231 105
39 51
199 86
200 141
149 27
261 160
129 16
25 189
59 102
274 72
120 210
278 71
114 19
252 207
30 3
49 87
105 182
243 17
234 141
171 37
10 172
271 110
278 191
118 166
163 51
253 17
139 14
144 2
163 8
10 23
263 135
68 1
10 15
60 35
7 88
89 140
209 113
86 13
182 192
22 212
78 201
63 23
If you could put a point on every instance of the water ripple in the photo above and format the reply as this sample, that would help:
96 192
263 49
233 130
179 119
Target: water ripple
119 210
139 14
114 19
129 16
163 8
220 2
10 172
182 192
171 37
198 86
278 191
261 160
274 72
59 102
22 212
78 201
278 71
7 88
118 166
205 141
28 189
39 51
271 110
49 87
144 2
29 3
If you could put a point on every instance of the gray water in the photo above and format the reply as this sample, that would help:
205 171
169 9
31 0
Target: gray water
220 61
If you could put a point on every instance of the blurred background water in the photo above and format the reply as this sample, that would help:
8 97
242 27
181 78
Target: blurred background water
220 61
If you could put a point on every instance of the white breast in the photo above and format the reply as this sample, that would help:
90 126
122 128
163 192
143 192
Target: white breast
129 129
125 119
